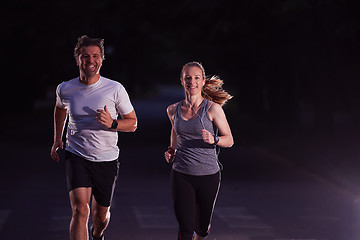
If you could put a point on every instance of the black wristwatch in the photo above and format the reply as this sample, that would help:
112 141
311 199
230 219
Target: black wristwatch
114 124
216 139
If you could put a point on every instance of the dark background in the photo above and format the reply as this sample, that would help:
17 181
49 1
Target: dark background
292 65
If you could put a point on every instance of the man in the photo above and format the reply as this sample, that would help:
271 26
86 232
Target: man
92 104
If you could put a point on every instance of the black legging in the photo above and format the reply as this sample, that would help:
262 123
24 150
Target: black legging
194 200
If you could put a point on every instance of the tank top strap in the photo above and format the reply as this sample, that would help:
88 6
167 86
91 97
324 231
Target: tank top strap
178 107
204 107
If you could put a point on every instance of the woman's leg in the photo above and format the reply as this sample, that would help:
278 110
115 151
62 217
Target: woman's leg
206 194
197 237
183 194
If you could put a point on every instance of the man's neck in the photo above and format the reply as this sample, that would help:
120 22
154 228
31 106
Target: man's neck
89 80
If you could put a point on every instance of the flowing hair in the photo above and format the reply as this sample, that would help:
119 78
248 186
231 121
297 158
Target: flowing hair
212 90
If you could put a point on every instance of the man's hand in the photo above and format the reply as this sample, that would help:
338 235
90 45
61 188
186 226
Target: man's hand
104 117
54 148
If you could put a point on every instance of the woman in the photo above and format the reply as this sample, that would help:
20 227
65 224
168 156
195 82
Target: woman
195 175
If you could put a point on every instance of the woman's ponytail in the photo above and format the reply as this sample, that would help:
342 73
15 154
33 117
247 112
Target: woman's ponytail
213 90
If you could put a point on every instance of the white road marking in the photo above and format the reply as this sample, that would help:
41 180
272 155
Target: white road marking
237 217
60 219
297 239
155 217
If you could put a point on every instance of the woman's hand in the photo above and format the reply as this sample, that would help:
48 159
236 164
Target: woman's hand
207 136
170 155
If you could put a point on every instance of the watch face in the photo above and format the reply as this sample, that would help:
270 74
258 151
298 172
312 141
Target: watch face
216 139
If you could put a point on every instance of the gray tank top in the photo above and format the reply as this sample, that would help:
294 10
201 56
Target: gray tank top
193 155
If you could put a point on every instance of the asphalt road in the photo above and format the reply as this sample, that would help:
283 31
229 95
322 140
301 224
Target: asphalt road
266 193
261 198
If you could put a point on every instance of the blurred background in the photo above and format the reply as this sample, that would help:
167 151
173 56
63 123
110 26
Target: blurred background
291 65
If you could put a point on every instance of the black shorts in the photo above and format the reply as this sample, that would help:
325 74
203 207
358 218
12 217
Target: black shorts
100 176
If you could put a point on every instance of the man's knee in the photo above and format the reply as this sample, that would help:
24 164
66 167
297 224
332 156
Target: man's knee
101 215
80 210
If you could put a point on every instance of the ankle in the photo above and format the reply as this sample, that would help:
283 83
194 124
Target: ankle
96 237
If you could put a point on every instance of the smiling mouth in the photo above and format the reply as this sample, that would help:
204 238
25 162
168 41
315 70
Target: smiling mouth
191 87
90 67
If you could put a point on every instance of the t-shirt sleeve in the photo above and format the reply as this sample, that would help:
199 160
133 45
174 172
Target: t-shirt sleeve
123 104
59 97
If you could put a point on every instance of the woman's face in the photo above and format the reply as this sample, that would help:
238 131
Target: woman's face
193 80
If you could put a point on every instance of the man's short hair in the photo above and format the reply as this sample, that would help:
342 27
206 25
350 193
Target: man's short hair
85 41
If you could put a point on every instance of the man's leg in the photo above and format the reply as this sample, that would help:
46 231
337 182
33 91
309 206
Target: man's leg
80 201
100 218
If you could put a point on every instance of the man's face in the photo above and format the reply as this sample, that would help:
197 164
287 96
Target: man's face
90 60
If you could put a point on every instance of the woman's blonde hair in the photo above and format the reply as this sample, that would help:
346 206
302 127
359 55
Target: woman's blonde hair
212 90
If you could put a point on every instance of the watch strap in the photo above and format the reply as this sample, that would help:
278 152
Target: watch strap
114 124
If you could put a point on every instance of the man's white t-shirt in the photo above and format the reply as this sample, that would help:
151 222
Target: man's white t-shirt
85 136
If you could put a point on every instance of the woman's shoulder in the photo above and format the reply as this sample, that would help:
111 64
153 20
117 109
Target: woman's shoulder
214 106
171 109
215 109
